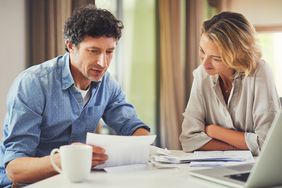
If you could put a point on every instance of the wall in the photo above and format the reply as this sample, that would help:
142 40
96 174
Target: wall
260 12
13 47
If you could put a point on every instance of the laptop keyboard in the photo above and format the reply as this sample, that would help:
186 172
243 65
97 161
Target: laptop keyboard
240 168
241 177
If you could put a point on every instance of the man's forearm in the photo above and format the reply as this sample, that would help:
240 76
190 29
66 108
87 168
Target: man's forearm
30 170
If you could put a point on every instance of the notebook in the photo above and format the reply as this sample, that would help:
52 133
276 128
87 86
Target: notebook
266 172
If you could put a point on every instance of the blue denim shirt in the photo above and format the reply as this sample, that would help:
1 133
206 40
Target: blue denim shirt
46 111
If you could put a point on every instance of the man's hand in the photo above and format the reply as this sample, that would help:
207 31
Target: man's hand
98 156
141 132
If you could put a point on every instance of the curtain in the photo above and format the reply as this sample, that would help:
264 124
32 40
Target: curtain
220 5
171 75
194 20
46 21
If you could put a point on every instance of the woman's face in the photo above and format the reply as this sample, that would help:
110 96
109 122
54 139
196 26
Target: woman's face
211 57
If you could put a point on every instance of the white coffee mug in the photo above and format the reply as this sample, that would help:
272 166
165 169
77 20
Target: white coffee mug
76 161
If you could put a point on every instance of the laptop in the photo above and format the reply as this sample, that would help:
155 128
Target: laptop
266 172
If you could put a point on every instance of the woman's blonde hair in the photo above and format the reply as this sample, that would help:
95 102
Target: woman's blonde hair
234 36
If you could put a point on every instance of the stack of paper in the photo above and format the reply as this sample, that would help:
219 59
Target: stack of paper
207 158
122 150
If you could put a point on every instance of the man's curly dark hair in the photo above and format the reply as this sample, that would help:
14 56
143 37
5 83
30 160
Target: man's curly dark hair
91 21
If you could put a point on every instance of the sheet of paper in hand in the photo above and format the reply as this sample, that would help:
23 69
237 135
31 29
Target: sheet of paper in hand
122 150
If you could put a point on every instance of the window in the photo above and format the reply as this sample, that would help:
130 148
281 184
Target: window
271 44
134 65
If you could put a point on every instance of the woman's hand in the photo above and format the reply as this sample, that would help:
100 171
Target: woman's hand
211 130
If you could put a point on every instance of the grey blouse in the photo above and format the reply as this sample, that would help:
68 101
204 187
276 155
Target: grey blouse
251 108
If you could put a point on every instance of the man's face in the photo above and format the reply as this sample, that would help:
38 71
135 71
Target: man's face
210 56
91 57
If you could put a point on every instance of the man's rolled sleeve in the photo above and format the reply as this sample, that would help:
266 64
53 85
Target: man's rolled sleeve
11 155
140 126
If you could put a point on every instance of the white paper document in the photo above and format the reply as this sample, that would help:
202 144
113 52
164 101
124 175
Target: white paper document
208 157
232 158
218 163
122 150
154 150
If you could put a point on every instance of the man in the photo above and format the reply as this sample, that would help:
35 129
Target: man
59 101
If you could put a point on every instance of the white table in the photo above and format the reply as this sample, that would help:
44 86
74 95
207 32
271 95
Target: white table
149 178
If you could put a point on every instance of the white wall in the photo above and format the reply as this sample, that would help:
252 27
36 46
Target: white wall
260 12
12 47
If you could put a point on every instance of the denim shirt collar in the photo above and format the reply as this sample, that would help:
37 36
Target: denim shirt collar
67 79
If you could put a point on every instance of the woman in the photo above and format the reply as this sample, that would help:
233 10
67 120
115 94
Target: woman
233 99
